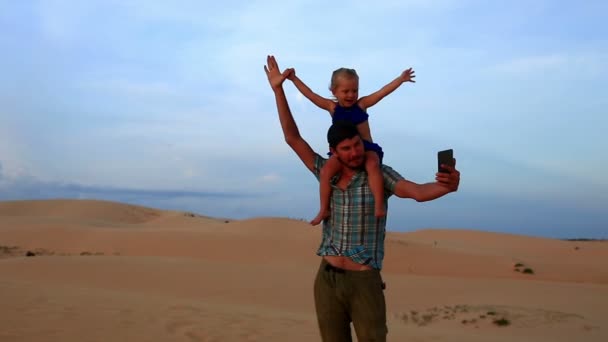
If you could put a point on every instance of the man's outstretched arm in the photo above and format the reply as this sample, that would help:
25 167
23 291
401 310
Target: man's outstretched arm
288 124
445 183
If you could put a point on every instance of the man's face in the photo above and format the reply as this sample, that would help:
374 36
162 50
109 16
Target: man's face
350 152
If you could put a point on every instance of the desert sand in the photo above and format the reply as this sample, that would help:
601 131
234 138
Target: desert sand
105 271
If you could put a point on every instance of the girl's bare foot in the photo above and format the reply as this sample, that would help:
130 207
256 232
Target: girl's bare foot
322 215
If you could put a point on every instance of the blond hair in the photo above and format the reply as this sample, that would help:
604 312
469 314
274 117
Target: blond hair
342 72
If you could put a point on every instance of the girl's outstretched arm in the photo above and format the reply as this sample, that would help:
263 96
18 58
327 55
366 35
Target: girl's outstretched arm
318 100
371 99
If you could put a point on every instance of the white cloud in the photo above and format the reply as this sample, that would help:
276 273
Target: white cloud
10 172
191 172
13 157
270 178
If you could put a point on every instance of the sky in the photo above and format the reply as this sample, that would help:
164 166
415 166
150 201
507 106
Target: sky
166 104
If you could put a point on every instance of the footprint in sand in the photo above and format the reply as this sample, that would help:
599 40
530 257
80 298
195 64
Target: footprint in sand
214 324
201 325
498 315
182 320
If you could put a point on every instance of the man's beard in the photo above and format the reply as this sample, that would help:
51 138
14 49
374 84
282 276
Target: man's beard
350 165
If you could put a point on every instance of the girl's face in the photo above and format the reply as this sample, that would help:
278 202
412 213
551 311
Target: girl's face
346 91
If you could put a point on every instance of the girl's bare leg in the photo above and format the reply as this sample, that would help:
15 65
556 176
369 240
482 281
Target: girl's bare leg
330 169
376 182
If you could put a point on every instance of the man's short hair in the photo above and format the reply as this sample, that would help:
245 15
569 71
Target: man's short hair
340 131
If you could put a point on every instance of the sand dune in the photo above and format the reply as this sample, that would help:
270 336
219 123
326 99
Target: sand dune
112 271
85 210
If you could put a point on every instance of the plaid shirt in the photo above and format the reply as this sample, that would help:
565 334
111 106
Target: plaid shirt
352 230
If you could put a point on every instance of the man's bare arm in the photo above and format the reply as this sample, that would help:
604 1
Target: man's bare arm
288 124
420 192
445 183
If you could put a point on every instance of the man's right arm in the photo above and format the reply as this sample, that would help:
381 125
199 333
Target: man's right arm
403 188
288 124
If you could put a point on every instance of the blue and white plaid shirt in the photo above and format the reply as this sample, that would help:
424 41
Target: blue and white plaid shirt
352 230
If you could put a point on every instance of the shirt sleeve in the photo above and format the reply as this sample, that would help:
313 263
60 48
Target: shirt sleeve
319 163
391 178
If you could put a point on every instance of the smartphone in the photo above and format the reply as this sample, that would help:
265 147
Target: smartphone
445 157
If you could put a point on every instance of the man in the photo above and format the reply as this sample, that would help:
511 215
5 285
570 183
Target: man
348 286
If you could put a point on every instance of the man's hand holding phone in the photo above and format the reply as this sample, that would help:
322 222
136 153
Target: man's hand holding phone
446 170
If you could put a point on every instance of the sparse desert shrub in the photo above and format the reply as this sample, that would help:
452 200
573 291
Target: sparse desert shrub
528 271
501 322
8 249
42 251
519 264
427 318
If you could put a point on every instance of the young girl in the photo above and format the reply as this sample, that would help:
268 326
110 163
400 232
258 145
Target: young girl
348 106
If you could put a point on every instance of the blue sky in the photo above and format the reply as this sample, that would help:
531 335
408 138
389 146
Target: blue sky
167 105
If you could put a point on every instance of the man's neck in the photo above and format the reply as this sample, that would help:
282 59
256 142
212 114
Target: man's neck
348 172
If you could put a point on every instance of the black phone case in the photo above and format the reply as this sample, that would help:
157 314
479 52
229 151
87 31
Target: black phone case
445 157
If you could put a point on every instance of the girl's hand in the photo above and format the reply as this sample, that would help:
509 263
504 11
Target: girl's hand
408 76
291 73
